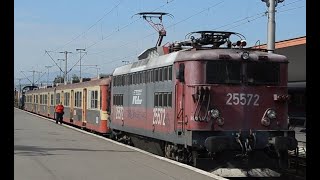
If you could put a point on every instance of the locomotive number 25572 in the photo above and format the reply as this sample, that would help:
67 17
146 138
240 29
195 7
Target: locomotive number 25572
242 99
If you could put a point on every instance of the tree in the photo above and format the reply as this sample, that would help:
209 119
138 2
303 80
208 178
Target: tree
58 79
75 78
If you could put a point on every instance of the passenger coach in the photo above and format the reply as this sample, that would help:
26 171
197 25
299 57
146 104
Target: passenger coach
85 103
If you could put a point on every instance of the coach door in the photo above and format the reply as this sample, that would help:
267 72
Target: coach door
84 105
179 100
71 105
48 104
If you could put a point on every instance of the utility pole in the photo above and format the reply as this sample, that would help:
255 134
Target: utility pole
271 4
19 93
65 71
80 59
19 79
60 66
39 79
48 67
97 71
33 71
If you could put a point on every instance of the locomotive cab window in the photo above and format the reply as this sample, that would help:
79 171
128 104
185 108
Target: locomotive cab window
263 73
223 72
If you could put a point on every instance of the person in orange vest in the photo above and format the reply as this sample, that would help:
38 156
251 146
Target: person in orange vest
59 113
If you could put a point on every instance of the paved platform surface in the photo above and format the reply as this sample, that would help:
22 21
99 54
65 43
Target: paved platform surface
45 150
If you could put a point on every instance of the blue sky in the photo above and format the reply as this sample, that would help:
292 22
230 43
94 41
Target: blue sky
111 34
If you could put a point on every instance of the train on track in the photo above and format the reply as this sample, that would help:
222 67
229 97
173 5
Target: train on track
206 97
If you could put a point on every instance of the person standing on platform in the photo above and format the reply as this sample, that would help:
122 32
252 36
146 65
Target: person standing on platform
59 110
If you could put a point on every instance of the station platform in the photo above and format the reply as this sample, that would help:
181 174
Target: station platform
46 150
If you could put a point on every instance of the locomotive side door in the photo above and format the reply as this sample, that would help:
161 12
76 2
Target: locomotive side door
179 100
84 106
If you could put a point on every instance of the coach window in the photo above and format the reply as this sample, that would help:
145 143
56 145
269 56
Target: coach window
78 99
160 99
125 80
51 99
155 99
156 75
170 73
44 99
165 99
67 99
93 99
130 79
142 77
149 76
40 98
170 99
165 73
161 74
152 75
139 77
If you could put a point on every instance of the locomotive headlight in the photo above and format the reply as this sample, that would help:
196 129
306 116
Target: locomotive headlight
215 113
245 55
271 114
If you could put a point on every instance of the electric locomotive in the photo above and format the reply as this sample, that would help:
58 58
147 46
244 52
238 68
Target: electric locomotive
206 98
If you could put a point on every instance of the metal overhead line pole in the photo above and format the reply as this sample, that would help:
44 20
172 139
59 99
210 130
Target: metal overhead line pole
80 50
48 67
60 65
65 71
19 79
33 71
271 4
19 93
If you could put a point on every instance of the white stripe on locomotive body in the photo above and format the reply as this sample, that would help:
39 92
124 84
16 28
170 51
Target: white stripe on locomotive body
160 61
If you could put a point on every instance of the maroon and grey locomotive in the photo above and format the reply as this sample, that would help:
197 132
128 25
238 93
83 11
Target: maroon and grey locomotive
206 97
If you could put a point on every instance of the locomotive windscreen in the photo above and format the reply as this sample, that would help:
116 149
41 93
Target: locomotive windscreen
230 72
223 72
263 73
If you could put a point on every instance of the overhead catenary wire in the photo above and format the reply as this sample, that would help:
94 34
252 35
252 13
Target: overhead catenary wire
263 16
249 21
170 26
117 30
83 33
123 27
246 18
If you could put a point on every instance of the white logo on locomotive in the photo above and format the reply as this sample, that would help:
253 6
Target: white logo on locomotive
136 96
